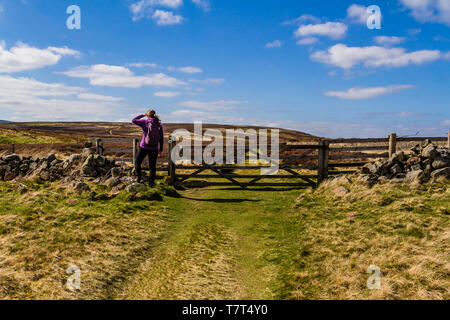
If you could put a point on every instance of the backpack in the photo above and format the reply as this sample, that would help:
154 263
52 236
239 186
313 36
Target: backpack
153 135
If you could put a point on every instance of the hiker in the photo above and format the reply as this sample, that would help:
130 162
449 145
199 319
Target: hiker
151 145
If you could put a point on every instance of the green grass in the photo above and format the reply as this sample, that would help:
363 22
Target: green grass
16 137
318 248
226 243
48 228
226 236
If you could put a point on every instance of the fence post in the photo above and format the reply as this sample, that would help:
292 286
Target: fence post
135 142
100 147
172 167
392 144
13 148
448 140
97 146
322 167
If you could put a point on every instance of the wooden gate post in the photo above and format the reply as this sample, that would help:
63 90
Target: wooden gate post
448 140
392 144
100 147
322 167
97 146
172 165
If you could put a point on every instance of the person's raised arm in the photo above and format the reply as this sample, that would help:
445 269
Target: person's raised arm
138 121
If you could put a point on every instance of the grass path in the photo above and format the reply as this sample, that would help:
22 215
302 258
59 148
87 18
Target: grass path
256 244
221 244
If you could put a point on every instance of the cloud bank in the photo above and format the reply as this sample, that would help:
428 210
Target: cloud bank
367 93
23 57
346 57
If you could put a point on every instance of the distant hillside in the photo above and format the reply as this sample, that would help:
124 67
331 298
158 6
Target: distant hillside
5 121
65 138
84 130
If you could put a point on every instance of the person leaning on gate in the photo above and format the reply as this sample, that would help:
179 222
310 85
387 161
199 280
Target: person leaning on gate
152 143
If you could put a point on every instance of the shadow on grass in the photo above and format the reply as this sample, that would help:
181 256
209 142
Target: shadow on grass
271 189
222 200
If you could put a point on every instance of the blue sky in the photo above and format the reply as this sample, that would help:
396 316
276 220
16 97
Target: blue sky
312 66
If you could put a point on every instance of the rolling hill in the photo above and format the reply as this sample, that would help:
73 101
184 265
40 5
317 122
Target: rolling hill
84 130
40 138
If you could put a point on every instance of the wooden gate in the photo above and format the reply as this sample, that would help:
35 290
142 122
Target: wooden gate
302 165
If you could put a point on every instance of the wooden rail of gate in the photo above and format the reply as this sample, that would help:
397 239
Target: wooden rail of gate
287 163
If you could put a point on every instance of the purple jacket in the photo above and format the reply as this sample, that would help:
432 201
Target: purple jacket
144 123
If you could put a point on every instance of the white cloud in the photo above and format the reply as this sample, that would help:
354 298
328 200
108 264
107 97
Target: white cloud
152 9
441 38
395 114
23 57
166 18
166 94
31 87
429 10
64 51
414 32
29 99
202 4
367 93
389 41
446 123
98 97
188 69
142 65
1 9
174 4
302 19
210 81
212 105
118 76
274 44
447 56
334 30
347 57
307 41
357 14
145 8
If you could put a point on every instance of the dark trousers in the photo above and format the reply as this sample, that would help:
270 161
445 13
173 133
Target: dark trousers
152 157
